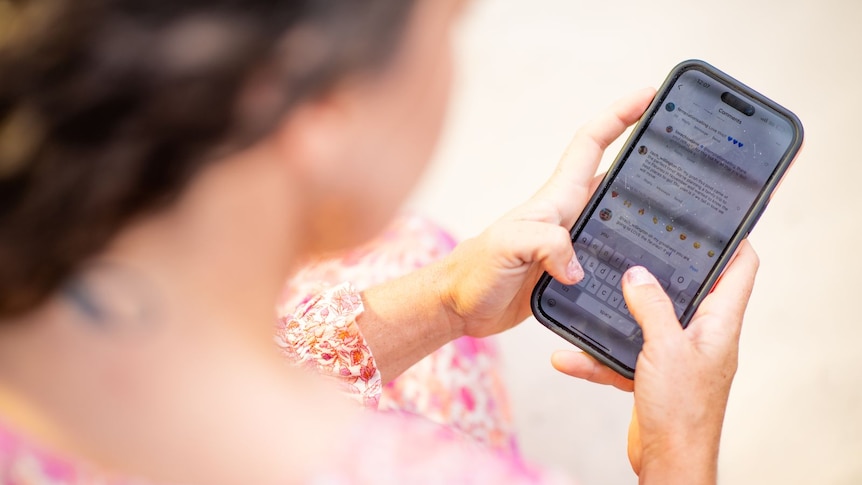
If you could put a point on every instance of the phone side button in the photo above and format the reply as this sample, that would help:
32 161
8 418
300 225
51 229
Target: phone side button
756 220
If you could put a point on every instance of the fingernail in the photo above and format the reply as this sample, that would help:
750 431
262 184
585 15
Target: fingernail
574 270
638 276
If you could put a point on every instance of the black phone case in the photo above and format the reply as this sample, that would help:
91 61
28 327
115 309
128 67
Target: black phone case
741 233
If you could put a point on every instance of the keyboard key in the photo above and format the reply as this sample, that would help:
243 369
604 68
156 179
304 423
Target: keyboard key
584 239
658 268
569 292
624 308
592 264
605 314
583 283
605 292
614 278
682 299
603 271
593 285
617 259
606 253
582 255
621 253
615 299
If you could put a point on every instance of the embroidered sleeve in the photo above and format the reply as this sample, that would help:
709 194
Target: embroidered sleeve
322 334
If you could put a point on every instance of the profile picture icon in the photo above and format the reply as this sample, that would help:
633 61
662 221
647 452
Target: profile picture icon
670 107
605 215
642 150
669 129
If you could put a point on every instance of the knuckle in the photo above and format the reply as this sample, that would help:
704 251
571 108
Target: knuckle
561 237
650 294
658 304
650 301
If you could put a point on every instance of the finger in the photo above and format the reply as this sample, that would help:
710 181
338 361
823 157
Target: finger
590 142
729 298
548 245
582 366
649 304
570 183
634 446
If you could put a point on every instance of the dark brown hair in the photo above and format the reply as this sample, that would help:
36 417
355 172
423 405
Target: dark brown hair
109 107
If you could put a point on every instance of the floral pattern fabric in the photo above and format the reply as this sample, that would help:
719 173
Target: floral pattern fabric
445 420
459 385
323 335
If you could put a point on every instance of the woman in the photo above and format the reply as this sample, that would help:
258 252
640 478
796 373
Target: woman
164 166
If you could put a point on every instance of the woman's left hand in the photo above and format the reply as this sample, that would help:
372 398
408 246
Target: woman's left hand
489 278
483 287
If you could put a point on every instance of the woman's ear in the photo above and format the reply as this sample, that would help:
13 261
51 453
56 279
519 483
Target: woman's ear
316 136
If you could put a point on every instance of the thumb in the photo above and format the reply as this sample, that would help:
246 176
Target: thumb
529 242
570 186
649 304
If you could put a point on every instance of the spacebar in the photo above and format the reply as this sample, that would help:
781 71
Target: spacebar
605 314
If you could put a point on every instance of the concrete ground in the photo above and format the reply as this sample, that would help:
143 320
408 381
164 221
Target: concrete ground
531 72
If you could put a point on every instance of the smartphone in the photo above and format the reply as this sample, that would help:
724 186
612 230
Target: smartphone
689 185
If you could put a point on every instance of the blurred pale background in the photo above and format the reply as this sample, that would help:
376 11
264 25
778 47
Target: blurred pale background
531 72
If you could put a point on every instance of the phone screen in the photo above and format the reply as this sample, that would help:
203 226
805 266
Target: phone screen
677 199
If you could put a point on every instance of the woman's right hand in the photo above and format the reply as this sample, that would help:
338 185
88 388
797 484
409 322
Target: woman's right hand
683 377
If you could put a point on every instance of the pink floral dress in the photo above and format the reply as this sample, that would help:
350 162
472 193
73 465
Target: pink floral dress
445 420
459 385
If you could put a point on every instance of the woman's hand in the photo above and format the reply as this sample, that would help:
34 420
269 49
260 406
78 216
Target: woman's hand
488 279
483 287
683 377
